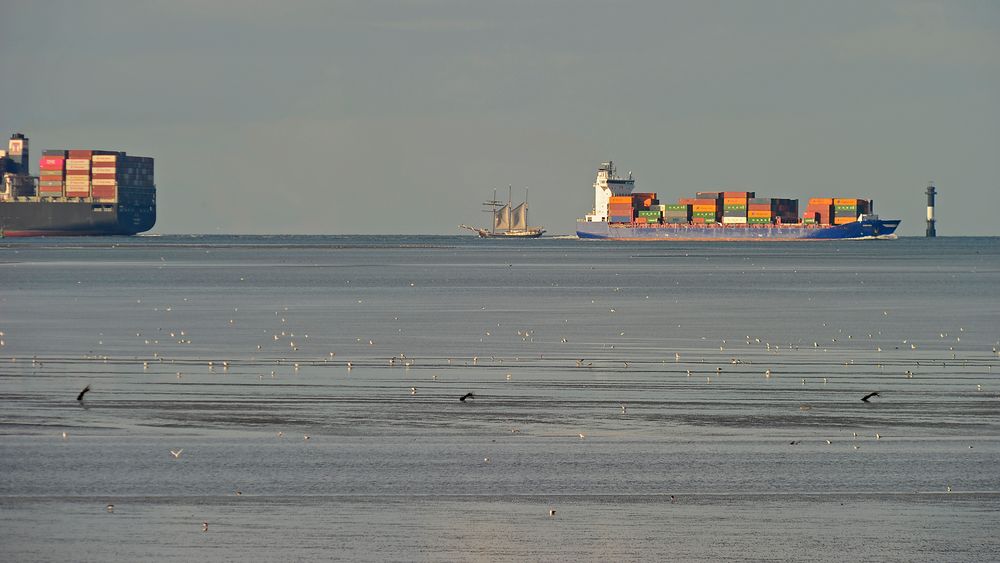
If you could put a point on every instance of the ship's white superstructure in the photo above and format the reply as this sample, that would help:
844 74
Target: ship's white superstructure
608 184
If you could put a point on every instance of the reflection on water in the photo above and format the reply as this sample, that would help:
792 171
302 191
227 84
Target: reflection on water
740 367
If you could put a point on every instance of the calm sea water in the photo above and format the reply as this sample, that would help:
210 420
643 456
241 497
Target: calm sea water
740 368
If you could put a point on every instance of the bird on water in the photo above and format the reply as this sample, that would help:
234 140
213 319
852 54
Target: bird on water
82 393
466 396
869 396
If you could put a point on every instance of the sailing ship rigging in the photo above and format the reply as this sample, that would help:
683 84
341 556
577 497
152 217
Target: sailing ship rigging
507 221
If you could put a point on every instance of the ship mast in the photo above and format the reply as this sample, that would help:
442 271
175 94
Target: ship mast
527 223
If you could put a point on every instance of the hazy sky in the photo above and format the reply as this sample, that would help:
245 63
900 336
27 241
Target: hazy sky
401 117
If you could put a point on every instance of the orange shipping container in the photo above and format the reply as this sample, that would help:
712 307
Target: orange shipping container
821 201
735 201
845 201
105 192
743 195
621 199
759 214
843 220
702 208
687 201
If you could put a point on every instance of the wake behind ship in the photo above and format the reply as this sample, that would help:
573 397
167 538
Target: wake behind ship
77 192
620 213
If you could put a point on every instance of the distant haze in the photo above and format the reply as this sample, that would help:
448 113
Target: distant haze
380 117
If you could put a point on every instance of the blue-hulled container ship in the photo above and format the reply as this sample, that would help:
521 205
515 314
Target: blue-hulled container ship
621 213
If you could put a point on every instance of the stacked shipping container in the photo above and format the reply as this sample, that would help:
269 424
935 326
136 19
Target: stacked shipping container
91 173
734 208
846 210
78 173
52 173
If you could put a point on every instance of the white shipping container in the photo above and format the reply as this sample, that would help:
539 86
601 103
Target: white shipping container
77 164
104 157
103 182
734 220
102 170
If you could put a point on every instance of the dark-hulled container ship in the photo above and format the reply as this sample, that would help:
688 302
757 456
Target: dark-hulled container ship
77 192
620 213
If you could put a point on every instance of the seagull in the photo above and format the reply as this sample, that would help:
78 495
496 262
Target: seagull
110 508
65 435
582 435
466 396
204 526
176 453
552 512
869 396
82 393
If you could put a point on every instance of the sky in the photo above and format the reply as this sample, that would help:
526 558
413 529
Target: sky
323 117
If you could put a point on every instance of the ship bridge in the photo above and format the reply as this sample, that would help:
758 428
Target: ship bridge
607 184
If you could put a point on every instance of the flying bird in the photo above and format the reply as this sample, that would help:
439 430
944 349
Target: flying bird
466 396
82 393
869 396
176 453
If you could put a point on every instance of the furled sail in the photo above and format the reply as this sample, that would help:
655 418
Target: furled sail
501 220
519 220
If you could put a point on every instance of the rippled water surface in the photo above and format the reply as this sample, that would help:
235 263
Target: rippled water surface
668 401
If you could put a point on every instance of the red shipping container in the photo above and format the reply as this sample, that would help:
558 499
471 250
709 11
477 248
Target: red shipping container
687 201
104 192
743 195
103 176
81 153
52 162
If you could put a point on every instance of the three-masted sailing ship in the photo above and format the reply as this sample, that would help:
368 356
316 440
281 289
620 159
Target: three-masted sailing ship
508 222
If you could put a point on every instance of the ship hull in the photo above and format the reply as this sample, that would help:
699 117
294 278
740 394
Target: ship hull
133 213
867 229
512 234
